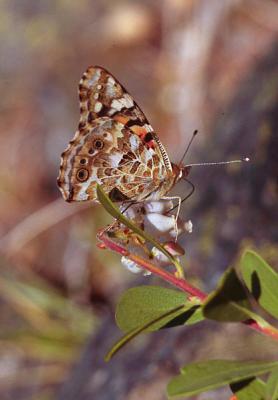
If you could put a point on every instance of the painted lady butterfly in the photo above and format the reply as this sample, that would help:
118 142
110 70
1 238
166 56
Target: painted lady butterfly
115 147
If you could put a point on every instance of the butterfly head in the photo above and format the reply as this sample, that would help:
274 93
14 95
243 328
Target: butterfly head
180 171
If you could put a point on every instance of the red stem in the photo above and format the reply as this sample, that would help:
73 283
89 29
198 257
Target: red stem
265 330
180 283
166 276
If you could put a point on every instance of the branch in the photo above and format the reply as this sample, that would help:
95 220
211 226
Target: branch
146 264
182 284
35 224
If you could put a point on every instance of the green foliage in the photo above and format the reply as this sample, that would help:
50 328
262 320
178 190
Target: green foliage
272 386
149 308
229 302
130 335
50 325
142 305
199 377
261 280
249 389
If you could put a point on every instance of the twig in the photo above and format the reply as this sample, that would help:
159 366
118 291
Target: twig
35 224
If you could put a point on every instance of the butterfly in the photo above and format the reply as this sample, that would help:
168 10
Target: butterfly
115 147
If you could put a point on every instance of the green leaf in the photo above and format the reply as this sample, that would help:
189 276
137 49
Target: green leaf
135 332
272 386
141 305
115 212
208 375
189 316
261 280
229 302
249 389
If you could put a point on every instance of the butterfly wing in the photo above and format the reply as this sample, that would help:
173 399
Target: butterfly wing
114 146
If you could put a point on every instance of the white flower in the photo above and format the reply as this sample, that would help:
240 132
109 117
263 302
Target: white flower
153 217
159 207
188 226
130 265
159 222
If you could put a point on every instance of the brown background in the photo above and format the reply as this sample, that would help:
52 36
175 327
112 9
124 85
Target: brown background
207 65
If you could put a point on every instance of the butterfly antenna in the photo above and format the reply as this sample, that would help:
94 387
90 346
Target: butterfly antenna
188 146
245 159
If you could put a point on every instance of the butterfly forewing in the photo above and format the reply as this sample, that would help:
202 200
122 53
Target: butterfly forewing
114 146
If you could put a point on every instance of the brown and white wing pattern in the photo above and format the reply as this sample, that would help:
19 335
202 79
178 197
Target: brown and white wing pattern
114 146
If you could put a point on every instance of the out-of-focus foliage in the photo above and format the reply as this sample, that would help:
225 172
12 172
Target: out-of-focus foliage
208 65
40 325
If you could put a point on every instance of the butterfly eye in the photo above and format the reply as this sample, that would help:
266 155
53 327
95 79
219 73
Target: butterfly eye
98 144
82 175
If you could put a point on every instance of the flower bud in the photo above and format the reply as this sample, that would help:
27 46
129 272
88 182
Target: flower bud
161 258
133 267
174 248
188 226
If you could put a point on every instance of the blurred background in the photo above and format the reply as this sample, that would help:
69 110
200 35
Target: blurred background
190 64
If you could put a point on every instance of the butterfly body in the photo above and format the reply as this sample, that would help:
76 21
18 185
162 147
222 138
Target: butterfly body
114 147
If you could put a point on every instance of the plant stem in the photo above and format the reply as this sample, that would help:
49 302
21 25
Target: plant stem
178 282
266 330
145 264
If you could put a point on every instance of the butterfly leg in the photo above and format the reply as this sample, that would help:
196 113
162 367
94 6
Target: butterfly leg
177 214
132 203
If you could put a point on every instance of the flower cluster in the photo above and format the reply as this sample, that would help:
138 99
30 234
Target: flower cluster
154 218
